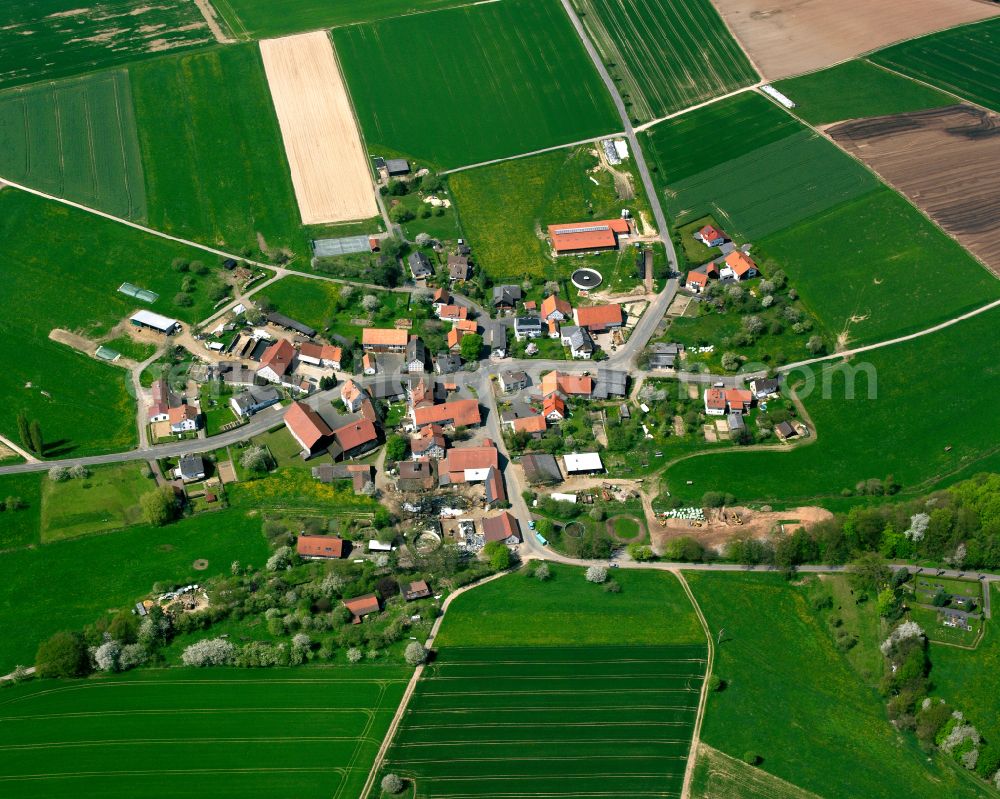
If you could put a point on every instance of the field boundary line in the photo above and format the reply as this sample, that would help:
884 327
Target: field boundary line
711 101
412 685
703 699
543 150
922 82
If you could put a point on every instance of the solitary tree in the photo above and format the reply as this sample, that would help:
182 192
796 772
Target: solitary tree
542 573
58 474
497 555
815 345
415 653
597 574
158 506
256 458
391 784
395 447
62 655
730 361
370 303
470 346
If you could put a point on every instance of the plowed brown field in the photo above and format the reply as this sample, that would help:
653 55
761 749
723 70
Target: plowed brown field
789 37
946 160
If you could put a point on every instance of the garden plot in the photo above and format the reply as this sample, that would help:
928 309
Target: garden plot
947 161
330 170
46 39
668 54
789 37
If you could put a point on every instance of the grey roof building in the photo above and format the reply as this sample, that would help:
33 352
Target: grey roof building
420 265
416 354
387 388
610 383
447 363
397 166
192 467
540 467
288 323
579 340
458 267
527 327
254 399
506 296
495 337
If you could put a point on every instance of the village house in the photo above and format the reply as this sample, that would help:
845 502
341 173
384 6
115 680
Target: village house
418 589
765 387
362 606
583 463
325 355
354 439
533 425
784 431
191 468
505 298
452 313
383 339
319 547
554 408
664 356
739 266
599 318
502 527
495 338
458 267
710 236
416 355
159 409
183 419
253 400
696 281
458 413
369 366
540 468
276 363
352 395
527 327
469 464
429 442
416 475
555 309
513 381
423 391
739 400
496 491
389 389
578 339
567 385
715 401
362 477
447 363
610 383
578 237
420 265
440 297
308 429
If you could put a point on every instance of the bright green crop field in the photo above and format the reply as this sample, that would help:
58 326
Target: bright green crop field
557 688
51 252
792 699
309 733
964 61
215 165
264 18
665 54
75 139
47 39
467 85
85 577
857 89
862 438
20 528
503 208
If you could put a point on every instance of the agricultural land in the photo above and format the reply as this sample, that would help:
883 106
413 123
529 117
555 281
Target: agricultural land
963 61
211 149
76 139
47 39
667 54
235 733
787 38
467 85
857 89
611 705
811 715
944 161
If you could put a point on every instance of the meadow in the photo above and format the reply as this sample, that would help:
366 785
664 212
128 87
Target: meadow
20 528
467 85
262 18
76 139
311 733
51 252
964 61
49 39
821 729
665 54
215 165
556 687
106 500
930 448
857 89
505 208
87 576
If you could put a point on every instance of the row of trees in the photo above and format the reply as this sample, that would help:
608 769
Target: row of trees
30 433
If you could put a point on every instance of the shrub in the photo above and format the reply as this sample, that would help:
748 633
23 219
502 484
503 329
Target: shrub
354 655
58 474
107 654
209 652
158 506
280 560
256 458
751 758
542 572
497 555
596 574
62 655
612 587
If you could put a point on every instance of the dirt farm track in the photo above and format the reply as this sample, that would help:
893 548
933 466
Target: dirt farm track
325 153
789 37
946 160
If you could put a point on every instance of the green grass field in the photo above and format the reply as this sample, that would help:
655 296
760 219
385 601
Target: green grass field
506 612
505 208
75 139
215 165
311 733
128 347
68 584
107 500
48 39
964 61
262 18
932 446
857 89
792 699
665 54
52 252
556 688
20 528
466 85
876 268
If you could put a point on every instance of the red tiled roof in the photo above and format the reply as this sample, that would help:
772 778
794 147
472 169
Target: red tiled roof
530 424
599 316
711 233
553 403
500 527
183 413
460 413
278 357
306 425
460 459
453 312
715 398
384 337
320 546
355 434
587 235
362 605
698 277
740 262
552 303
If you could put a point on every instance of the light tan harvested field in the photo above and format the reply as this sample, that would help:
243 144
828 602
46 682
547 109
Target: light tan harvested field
946 160
789 37
327 159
